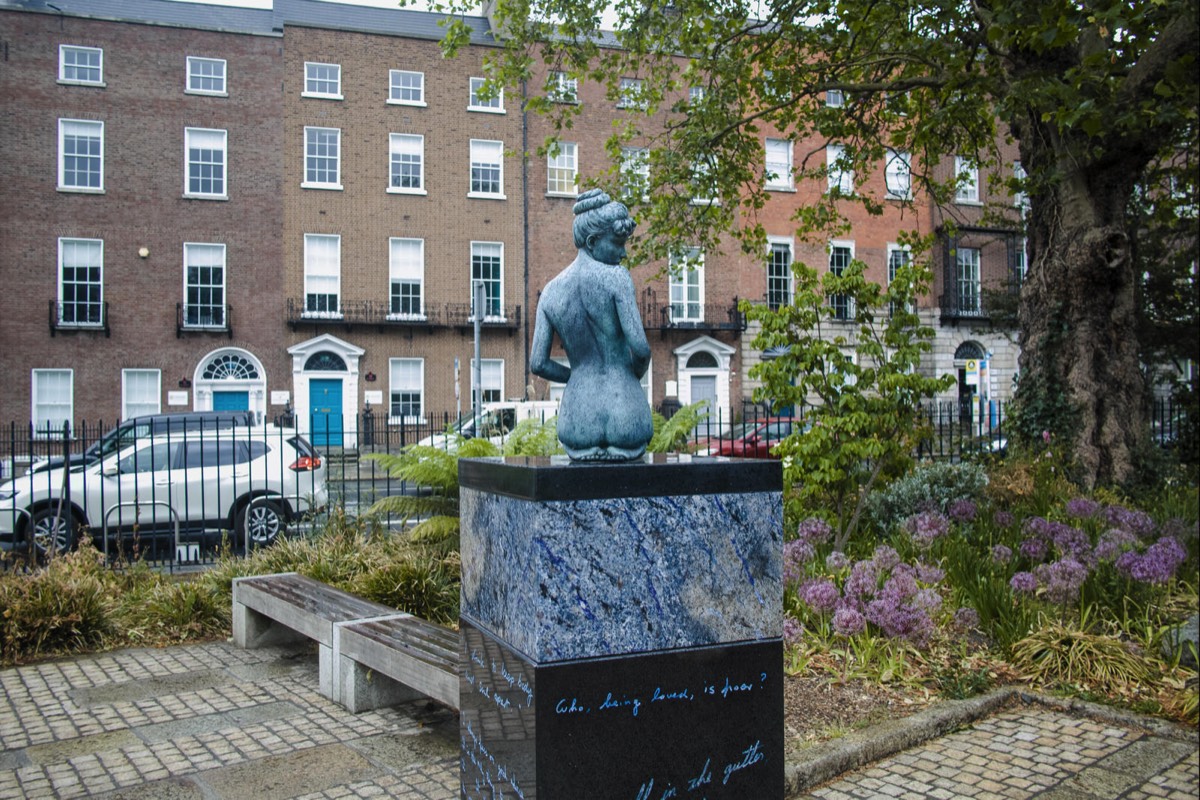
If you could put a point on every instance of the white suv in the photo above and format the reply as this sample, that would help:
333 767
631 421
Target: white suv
252 481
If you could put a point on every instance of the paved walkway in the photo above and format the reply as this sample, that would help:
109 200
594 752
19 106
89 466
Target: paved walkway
211 722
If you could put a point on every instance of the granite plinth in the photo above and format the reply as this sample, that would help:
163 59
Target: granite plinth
699 723
563 579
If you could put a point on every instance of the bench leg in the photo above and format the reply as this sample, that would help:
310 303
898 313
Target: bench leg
363 689
252 629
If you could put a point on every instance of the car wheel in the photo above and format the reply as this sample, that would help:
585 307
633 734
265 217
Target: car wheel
52 533
260 522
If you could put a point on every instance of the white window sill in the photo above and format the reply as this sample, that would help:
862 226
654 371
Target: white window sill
333 187
410 103
80 190
488 319
191 196
214 326
86 326
322 96
486 196
322 315
779 188
97 84
899 197
486 110
963 202
701 201
203 93
569 195
406 420
402 190
407 318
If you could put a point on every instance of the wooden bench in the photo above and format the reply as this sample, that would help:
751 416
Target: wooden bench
370 655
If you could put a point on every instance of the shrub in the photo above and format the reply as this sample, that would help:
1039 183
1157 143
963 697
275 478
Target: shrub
929 487
1067 655
426 587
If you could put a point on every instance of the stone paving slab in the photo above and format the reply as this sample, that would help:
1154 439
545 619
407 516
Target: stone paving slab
213 722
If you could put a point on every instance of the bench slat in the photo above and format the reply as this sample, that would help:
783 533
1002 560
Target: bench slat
411 651
306 606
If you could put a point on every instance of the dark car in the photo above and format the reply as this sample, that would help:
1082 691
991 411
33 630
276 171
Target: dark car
132 430
754 439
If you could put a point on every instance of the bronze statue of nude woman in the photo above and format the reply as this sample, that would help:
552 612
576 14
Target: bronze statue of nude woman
592 307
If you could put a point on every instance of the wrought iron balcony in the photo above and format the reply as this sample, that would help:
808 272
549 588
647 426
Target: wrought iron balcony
459 315
379 314
79 317
690 316
203 319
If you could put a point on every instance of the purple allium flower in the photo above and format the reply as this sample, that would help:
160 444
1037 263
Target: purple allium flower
962 510
902 585
1071 542
927 600
1003 519
848 621
1062 579
1037 526
1023 582
1113 543
814 530
1001 554
1138 523
926 527
796 554
792 631
1082 507
836 561
1034 548
820 595
863 580
1157 565
900 620
966 618
885 557
928 573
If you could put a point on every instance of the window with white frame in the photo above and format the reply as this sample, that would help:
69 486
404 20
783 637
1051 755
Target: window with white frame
322 80
898 174
897 258
968 259
779 164
562 88
779 272
966 175
80 155
841 176
491 379
630 93
835 98
482 100
322 158
406 88
81 282
840 256
487 265
204 285
407 274
53 400
487 169
1022 258
322 275
407 163
635 173
562 169
704 189
686 286
695 95
1020 196
82 65
206 158
406 390
141 392
206 76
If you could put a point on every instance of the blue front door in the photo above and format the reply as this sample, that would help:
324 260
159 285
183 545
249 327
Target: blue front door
325 400
231 401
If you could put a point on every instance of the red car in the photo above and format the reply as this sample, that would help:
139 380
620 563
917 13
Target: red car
753 439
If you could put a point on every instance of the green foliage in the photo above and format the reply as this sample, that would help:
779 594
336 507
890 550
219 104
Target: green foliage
928 487
532 437
1067 655
177 611
858 386
672 435
425 586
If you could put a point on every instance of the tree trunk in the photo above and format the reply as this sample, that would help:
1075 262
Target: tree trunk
1080 371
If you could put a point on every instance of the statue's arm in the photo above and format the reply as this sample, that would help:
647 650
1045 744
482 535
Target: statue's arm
631 324
540 363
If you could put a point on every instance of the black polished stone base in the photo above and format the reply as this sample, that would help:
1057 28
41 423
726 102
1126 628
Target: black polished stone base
698 724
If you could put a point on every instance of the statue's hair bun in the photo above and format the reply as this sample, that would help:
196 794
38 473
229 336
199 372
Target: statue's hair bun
591 199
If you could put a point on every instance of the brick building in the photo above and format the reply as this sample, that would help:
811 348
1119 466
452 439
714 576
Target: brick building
222 207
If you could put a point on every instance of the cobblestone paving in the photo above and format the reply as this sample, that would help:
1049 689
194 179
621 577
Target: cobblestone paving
212 722
1031 752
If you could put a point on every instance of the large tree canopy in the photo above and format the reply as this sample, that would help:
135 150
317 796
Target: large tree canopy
1096 93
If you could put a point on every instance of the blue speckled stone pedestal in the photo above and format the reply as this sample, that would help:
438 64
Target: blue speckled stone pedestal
621 629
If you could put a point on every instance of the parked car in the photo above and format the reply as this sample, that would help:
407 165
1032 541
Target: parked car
752 439
252 481
137 428
496 422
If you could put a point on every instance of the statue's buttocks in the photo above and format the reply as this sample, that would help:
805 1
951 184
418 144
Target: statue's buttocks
592 307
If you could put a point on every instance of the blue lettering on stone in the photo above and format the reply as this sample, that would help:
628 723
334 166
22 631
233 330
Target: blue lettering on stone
572 707
730 688
681 694
704 778
750 756
624 702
